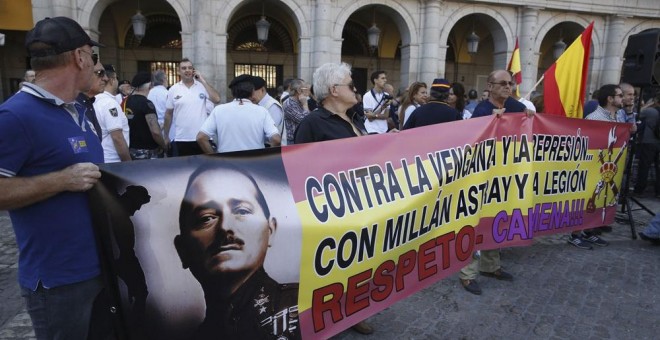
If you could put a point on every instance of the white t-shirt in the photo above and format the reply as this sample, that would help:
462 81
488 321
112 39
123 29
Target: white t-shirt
239 125
409 110
276 112
111 118
528 104
371 103
158 96
191 107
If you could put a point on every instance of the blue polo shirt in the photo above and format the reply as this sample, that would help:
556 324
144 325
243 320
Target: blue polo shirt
55 236
485 107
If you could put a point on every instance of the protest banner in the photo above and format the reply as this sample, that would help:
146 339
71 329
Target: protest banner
348 227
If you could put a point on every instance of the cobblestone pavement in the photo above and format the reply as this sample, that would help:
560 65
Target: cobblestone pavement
559 292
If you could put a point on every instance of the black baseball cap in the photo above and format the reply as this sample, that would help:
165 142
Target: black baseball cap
58 35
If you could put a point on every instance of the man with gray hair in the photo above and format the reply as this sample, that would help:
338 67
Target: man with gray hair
145 134
158 94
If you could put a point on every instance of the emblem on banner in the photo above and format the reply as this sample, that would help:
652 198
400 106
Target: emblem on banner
608 169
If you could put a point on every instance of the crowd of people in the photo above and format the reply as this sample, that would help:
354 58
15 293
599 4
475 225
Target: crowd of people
72 113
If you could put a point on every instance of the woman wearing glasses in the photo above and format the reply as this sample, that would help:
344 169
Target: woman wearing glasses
335 93
296 107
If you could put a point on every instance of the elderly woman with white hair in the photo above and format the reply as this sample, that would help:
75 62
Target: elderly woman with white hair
335 93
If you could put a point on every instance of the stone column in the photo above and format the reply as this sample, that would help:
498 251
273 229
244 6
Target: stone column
220 67
529 58
430 59
203 41
305 67
323 42
612 58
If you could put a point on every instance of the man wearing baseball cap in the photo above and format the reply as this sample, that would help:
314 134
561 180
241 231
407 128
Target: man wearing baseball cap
48 152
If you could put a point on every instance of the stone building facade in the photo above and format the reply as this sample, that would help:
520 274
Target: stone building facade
419 40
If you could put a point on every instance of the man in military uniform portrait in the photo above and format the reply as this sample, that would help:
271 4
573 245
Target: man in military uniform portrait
225 231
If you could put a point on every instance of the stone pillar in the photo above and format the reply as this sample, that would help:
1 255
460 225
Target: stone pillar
203 37
430 60
324 44
305 67
611 71
220 71
529 58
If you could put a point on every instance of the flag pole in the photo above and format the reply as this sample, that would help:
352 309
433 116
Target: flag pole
534 87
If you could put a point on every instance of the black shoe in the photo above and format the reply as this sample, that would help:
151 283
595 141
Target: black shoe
499 274
471 286
579 242
592 238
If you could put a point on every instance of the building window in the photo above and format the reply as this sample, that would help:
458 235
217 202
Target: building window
171 69
271 73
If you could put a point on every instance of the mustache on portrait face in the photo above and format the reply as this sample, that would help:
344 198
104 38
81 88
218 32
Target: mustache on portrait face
225 241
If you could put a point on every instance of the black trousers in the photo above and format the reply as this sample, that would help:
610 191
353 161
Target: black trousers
187 149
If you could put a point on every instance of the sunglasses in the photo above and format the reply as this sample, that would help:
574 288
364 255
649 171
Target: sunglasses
100 73
95 57
504 83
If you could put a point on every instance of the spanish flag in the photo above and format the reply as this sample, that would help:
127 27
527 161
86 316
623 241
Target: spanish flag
514 67
565 80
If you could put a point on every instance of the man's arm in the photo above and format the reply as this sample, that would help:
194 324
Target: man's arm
18 192
154 128
204 142
120 145
275 140
214 96
167 124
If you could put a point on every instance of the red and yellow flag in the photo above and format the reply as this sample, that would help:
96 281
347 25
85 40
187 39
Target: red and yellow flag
514 67
565 80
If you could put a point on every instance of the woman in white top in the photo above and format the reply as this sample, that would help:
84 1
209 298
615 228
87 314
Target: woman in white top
456 99
417 95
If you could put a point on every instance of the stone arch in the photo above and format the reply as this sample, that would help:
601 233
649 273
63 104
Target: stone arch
400 15
545 27
499 26
292 9
92 10
277 31
641 26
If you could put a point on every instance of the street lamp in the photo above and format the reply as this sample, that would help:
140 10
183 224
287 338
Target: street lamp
558 48
373 34
262 27
472 43
139 24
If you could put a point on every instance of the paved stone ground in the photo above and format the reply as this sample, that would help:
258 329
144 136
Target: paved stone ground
559 292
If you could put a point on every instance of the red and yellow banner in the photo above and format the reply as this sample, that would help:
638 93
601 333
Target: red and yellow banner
564 82
348 227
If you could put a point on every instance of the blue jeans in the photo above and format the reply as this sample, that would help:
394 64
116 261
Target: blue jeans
62 312
653 229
